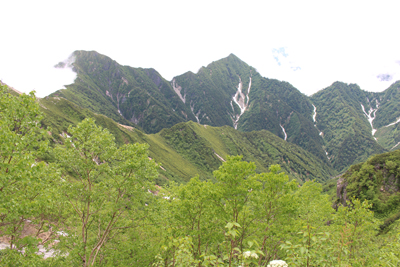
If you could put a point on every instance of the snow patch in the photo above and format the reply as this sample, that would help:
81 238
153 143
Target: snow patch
326 153
315 120
242 100
393 123
314 115
108 94
371 115
284 132
221 158
197 114
395 145
178 90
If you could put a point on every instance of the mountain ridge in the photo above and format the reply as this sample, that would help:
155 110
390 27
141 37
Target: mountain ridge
232 93
188 149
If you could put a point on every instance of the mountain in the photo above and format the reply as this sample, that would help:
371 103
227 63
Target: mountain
230 92
341 125
340 116
226 92
131 96
189 149
387 118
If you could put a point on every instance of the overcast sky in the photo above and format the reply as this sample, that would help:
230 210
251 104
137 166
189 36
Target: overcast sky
310 44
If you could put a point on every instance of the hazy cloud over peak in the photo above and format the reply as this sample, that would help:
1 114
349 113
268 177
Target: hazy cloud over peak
385 77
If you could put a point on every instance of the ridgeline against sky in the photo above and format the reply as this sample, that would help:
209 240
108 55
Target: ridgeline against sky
309 44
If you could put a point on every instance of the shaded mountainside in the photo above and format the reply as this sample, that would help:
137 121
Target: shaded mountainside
280 108
190 149
132 96
226 92
388 118
260 147
344 125
349 124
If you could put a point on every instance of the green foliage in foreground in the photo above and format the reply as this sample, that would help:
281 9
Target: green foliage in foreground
378 181
105 189
100 208
27 187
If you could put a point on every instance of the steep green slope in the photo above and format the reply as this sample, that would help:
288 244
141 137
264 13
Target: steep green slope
59 113
226 92
389 136
204 145
389 109
127 95
209 92
280 108
230 92
376 180
387 118
189 149
343 124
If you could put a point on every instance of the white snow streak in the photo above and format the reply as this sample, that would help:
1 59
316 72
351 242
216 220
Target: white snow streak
315 119
283 129
221 158
195 115
177 90
314 115
326 152
371 116
240 99
393 123
395 145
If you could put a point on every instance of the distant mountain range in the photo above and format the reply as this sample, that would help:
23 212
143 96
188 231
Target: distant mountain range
340 125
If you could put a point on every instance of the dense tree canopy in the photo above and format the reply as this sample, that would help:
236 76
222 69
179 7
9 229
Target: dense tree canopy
94 203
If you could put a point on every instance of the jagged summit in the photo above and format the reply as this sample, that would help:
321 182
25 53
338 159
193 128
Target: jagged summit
228 92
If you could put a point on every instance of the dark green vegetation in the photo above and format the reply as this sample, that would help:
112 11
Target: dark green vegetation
98 199
189 149
144 98
131 96
389 113
389 110
261 147
238 209
378 181
345 128
141 98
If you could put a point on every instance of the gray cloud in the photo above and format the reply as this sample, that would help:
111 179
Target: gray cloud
384 77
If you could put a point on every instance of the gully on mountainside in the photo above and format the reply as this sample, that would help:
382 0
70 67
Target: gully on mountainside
315 124
284 132
240 99
372 111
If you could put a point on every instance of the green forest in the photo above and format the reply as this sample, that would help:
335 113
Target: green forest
94 199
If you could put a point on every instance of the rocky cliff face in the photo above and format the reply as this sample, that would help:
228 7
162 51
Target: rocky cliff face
341 193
